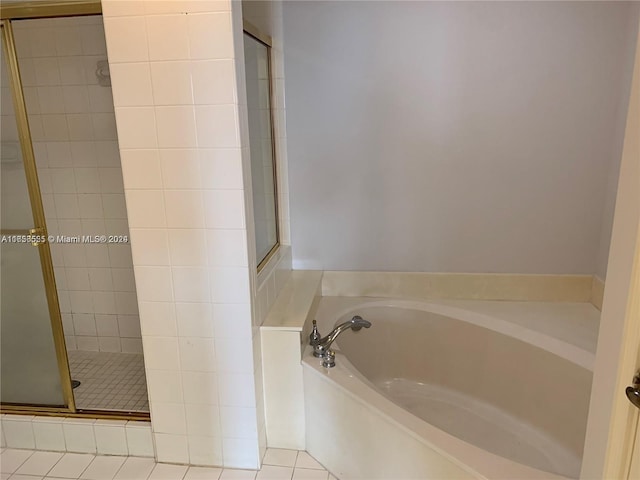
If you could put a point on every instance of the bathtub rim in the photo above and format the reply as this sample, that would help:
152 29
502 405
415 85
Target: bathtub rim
473 459
567 351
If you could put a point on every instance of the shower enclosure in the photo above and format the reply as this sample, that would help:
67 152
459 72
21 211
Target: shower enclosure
70 331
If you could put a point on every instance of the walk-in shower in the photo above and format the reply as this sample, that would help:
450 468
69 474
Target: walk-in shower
69 304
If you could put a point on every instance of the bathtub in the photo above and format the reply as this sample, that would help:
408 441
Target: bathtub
433 391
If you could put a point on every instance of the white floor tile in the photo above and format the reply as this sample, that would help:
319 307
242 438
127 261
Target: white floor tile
103 468
10 459
135 468
280 456
272 472
39 463
310 474
232 474
305 460
17 476
203 473
164 471
71 465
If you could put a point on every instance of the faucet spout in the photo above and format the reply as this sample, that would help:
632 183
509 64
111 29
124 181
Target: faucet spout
355 324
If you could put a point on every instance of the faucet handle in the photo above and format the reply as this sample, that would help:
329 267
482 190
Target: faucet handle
329 359
314 338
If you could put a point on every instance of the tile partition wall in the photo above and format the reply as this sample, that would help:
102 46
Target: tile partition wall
178 79
75 144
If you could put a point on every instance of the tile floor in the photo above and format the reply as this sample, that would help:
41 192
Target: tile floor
110 381
278 464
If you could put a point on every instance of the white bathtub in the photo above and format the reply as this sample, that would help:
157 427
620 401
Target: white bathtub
432 391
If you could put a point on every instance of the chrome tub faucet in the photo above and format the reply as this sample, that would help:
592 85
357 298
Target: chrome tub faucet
322 345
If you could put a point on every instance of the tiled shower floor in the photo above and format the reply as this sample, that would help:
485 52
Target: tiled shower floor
109 381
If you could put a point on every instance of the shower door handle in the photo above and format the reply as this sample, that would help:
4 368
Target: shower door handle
633 392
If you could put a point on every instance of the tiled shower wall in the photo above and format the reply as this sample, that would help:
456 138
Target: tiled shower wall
73 128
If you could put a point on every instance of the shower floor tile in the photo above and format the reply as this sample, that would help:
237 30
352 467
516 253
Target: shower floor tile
109 381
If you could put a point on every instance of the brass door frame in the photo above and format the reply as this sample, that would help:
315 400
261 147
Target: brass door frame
26 10
254 32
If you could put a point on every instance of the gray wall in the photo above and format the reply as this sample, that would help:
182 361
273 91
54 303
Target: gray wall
455 137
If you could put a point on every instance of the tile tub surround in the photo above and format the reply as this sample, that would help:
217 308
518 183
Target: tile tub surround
77 435
30 465
470 286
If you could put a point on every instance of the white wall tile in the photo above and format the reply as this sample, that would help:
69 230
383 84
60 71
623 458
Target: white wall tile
171 448
234 355
141 169
203 420
232 320
240 453
210 36
109 344
176 126
167 37
18 431
146 208
129 326
217 126
164 386
89 344
205 450
161 353
107 325
236 390
239 422
154 284
136 127
168 418
158 319
221 168
79 436
191 284
184 209
213 82
224 209
139 439
197 354
126 39
110 437
187 247
131 345
171 83
194 320
68 41
180 168
149 246
200 388
229 285
132 83
119 8
227 248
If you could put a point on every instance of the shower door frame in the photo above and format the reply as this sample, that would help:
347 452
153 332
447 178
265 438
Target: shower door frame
24 11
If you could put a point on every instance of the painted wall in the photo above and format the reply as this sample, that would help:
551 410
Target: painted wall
73 127
454 137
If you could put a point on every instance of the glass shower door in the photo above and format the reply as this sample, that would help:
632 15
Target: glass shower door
30 372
